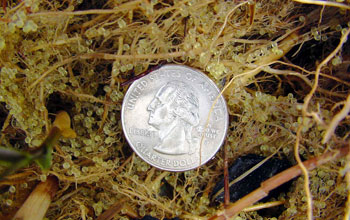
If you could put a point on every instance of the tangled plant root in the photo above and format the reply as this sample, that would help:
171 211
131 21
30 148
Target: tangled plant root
78 56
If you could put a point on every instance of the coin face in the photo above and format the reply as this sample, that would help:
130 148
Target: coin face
174 119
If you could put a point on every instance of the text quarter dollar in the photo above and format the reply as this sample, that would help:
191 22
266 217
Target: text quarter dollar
174 118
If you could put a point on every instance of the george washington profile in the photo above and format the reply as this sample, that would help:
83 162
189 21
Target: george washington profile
174 111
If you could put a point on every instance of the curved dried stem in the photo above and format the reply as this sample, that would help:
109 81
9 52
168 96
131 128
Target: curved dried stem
305 173
225 22
335 121
347 179
324 3
318 70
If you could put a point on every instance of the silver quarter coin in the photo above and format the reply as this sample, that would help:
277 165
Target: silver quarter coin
173 119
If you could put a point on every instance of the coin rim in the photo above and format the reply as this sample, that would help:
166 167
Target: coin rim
207 79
